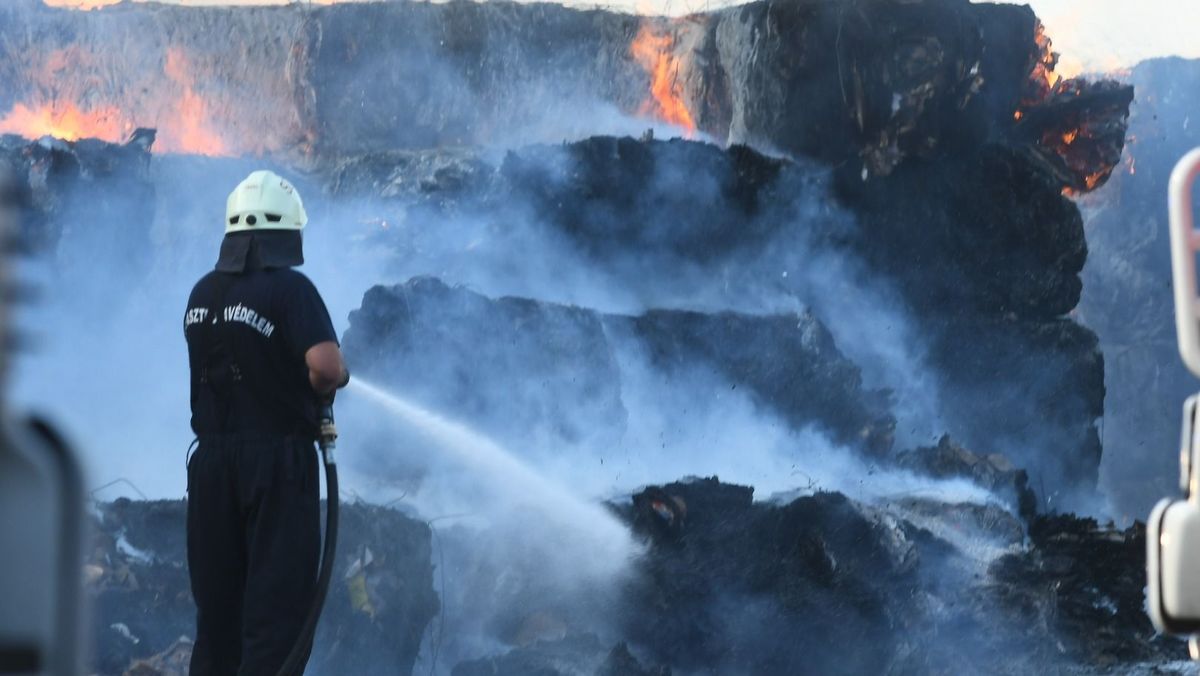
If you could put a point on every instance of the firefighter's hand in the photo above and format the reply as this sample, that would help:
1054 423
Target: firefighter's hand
326 398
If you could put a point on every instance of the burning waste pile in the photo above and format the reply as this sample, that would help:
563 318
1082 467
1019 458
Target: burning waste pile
851 302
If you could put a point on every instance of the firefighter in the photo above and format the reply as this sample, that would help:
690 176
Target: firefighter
263 356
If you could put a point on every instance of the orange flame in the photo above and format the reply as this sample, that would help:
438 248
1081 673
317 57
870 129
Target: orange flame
653 53
65 121
1090 183
1047 60
183 120
191 132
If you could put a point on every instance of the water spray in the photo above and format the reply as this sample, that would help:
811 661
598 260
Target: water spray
487 458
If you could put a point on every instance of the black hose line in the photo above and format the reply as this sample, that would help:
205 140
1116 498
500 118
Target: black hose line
303 646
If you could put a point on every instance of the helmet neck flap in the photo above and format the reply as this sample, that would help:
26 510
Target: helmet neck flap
260 250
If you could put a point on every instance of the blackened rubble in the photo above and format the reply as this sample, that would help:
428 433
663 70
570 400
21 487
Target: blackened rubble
918 143
380 602
455 349
99 190
1078 132
740 577
736 586
137 579
936 122
983 250
733 585
755 587
844 407
730 584
1083 582
938 126
994 472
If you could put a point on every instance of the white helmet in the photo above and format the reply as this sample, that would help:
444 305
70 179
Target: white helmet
264 201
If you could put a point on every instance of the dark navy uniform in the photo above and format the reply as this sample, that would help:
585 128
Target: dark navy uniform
253 512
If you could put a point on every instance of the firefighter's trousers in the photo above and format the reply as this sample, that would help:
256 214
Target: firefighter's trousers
253 541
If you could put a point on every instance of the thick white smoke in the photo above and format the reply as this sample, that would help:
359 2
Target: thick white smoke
110 364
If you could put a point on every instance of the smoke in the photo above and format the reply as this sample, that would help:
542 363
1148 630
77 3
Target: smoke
515 527
672 432
579 398
518 569
107 356
481 78
111 364
680 247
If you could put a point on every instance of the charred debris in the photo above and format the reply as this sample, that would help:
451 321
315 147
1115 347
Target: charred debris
727 585
136 574
941 151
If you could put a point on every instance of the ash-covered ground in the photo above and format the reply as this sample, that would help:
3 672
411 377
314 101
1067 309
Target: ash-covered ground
808 394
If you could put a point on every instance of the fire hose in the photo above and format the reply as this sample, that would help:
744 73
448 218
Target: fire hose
327 441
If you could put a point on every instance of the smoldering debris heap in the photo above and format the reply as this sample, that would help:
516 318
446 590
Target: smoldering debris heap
458 349
732 585
994 472
82 190
1098 606
981 250
380 602
877 275
728 585
758 588
939 128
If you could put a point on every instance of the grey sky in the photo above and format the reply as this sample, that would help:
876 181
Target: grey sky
1107 34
